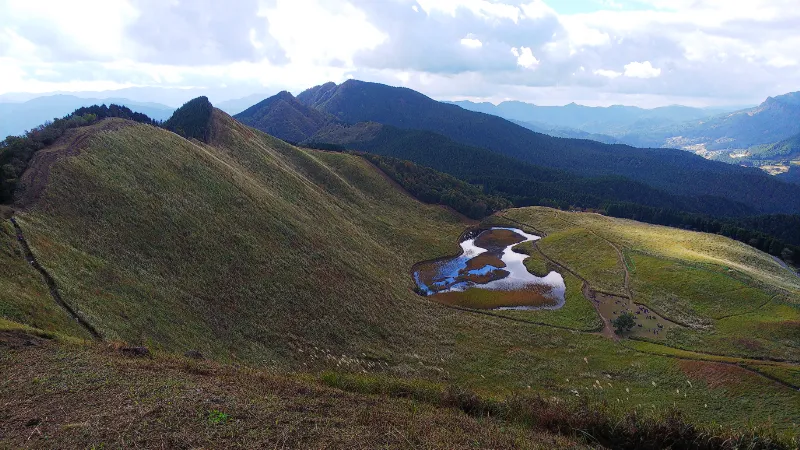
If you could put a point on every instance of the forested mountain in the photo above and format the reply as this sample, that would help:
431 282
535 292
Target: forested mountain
674 171
192 120
523 183
785 150
284 116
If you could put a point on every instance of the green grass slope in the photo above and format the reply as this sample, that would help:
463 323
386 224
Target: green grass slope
730 298
239 249
254 251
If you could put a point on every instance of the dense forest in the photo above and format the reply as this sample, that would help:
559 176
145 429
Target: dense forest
16 152
192 120
435 187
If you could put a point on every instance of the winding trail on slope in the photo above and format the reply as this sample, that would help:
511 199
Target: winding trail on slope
51 283
588 293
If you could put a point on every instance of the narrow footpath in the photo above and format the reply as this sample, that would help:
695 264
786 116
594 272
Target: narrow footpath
51 283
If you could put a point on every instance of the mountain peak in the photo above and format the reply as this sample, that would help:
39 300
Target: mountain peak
192 120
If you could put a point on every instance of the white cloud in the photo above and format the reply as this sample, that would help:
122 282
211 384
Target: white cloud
641 70
525 57
701 51
489 10
608 73
314 32
471 42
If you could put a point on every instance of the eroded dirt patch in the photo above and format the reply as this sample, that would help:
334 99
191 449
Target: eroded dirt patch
714 375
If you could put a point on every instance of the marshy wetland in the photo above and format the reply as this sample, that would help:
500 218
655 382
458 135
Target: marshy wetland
490 274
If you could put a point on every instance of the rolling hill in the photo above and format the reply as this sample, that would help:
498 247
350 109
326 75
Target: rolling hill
289 269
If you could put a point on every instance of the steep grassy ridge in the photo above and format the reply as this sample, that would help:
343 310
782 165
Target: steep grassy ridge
239 249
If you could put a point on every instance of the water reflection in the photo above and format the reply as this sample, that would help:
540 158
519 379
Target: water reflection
489 274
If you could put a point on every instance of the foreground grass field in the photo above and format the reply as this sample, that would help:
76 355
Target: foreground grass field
172 402
264 255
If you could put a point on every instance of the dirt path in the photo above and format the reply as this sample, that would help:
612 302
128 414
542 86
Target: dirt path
51 283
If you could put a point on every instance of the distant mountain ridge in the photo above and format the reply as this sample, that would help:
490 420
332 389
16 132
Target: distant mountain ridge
16 118
612 120
405 124
677 172
284 116
776 119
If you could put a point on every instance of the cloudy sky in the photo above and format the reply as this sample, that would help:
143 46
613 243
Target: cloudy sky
595 52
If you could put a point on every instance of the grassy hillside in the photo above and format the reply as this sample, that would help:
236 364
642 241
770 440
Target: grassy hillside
270 256
169 402
145 230
728 297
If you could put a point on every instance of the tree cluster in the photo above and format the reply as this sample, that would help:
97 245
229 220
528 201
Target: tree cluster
192 120
16 152
435 187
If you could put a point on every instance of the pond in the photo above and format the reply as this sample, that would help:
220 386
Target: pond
489 274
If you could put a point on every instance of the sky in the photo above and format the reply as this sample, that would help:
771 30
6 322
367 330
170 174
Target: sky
550 52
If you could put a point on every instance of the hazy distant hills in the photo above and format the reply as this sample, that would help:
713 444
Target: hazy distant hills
349 114
16 118
613 121
237 105
776 119
707 131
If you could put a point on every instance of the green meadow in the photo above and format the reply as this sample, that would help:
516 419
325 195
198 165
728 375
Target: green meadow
295 261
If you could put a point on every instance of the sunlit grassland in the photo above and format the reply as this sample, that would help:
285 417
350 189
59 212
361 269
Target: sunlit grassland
497 358
255 251
589 256
577 312
666 242
236 251
689 293
734 299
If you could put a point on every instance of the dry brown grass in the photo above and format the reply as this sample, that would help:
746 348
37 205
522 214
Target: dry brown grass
714 375
62 396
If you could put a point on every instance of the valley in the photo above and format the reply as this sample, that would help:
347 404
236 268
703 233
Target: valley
290 270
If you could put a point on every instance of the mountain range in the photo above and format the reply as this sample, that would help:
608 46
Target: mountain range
614 120
738 136
183 283
379 118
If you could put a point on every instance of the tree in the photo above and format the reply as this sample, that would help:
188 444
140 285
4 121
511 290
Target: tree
624 323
